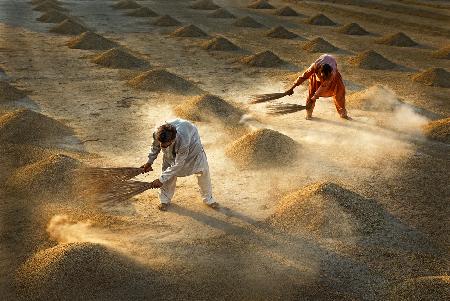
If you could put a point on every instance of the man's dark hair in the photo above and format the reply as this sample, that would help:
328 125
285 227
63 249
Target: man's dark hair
326 70
166 133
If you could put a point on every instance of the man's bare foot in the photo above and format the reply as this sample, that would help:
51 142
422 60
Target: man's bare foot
308 117
214 205
163 206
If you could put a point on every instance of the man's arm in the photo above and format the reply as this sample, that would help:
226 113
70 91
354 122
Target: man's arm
154 151
304 76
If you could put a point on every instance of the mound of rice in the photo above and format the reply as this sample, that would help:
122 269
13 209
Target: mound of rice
436 77
189 31
247 22
24 126
91 41
142 12
221 13
263 148
443 53
161 80
49 5
266 59
126 4
10 93
374 98
204 5
353 29
53 16
280 32
166 20
286 11
219 44
209 108
438 130
319 45
68 27
119 59
398 39
83 271
372 60
260 4
328 210
321 20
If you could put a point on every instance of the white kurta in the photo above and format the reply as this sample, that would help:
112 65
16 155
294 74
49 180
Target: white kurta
184 157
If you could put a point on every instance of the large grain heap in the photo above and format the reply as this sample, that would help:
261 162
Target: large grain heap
37 2
166 20
24 126
443 53
82 271
328 210
189 31
10 93
280 32
49 5
422 288
68 27
398 39
53 16
209 108
438 130
221 13
219 44
51 175
263 148
119 59
247 22
204 5
91 41
126 4
285 11
321 20
142 12
374 98
260 4
319 45
161 80
372 60
353 29
265 59
436 77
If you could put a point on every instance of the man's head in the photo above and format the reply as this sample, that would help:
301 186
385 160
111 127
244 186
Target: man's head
324 72
166 134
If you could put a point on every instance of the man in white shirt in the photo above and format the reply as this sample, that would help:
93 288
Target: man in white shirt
183 155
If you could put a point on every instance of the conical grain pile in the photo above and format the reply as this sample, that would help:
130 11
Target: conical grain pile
422 288
82 271
319 45
189 31
321 20
91 41
436 77
47 6
263 148
285 11
438 130
9 92
51 175
375 98
219 44
265 59
398 39
119 59
372 60
280 32
15 155
260 4
166 20
209 108
68 27
221 13
328 210
37 2
443 53
52 16
204 5
142 12
247 22
163 81
126 4
353 29
23 126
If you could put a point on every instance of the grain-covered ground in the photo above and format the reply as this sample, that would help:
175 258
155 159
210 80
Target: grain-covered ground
343 209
